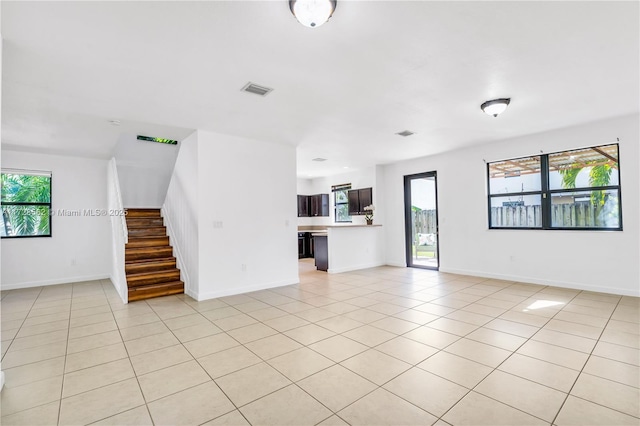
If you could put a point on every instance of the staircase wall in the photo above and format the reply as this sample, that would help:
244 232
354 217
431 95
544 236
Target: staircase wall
180 212
118 231
231 214
248 215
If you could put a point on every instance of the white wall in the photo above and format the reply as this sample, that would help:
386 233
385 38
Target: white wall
145 169
594 260
364 178
180 212
80 247
247 215
119 237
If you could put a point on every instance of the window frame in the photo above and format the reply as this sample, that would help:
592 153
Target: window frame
38 204
345 187
546 193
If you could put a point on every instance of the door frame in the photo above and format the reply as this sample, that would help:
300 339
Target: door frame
408 242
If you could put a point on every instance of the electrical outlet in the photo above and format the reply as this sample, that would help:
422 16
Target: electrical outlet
217 224
73 262
243 267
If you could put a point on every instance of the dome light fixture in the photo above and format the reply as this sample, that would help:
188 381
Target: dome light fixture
312 13
496 106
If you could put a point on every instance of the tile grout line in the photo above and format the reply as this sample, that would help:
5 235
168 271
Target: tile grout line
585 364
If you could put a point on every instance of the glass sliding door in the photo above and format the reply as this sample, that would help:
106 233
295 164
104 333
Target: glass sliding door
421 220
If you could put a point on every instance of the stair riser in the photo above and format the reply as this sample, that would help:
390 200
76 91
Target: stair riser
133 254
140 293
143 213
147 242
159 231
154 279
144 222
151 267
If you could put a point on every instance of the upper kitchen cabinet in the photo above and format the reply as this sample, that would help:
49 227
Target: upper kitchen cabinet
359 199
303 206
313 205
319 205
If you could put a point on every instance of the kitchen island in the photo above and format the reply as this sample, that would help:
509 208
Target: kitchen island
348 248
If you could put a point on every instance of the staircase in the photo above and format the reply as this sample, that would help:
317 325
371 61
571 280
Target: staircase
149 262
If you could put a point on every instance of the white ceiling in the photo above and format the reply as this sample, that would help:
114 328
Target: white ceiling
341 91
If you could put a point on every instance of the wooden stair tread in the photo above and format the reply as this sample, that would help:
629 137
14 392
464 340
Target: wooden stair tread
136 242
150 266
154 260
161 229
155 290
144 223
143 212
148 278
153 272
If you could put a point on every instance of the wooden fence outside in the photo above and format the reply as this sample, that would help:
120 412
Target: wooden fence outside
562 215
575 215
424 222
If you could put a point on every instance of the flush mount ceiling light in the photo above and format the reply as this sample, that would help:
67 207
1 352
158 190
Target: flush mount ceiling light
405 133
496 106
312 13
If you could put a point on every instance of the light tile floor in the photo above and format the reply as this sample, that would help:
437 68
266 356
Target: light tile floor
383 346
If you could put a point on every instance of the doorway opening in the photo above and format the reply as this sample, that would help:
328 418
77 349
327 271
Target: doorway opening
421 220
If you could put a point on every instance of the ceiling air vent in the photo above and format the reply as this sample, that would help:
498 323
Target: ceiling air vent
256 89
405 133
319 159
159 140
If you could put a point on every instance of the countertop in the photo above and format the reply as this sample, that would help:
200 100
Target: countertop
325 228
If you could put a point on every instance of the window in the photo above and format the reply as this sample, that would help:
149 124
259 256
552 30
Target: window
577 189
341 202
26 204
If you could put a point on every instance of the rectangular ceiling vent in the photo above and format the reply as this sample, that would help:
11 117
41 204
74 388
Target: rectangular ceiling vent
158 140
319 159
405 133
256 89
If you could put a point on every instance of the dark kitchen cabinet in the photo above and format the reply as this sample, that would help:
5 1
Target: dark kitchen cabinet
303 245
303 206
319 205
359 199
321 253
313 205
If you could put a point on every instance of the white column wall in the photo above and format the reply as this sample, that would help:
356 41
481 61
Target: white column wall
248 215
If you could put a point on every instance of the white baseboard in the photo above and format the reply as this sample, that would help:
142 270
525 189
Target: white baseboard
190 293
397 264
54 282
551 283
241 290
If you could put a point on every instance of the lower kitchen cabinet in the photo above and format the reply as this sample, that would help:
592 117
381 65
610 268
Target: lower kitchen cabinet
302 245
321 252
